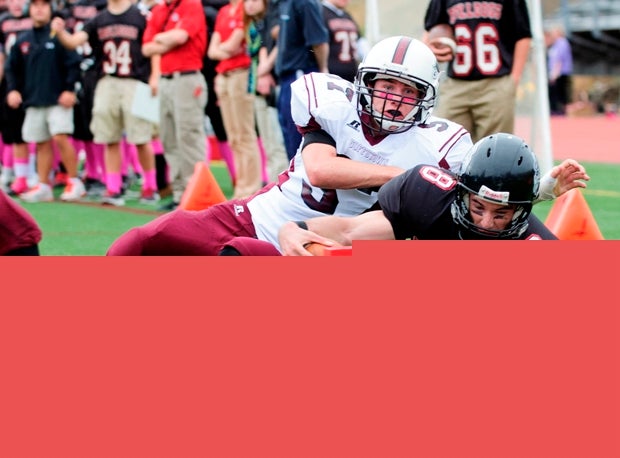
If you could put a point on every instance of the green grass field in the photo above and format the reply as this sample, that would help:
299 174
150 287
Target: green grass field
88 228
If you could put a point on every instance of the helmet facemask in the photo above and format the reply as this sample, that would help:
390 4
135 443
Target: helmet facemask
382 122
462 216
500 169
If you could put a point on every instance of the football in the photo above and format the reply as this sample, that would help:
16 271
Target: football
442 35
322 250
315 248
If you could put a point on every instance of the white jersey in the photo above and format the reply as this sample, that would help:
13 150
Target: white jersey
328 102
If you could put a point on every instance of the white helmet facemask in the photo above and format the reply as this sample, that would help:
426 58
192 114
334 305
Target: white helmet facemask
386 117
402 59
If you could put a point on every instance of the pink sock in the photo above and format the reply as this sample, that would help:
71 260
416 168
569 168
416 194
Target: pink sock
99 155
124 156
7 156
94 159
227 155
149 180
158 148
113 182
130 155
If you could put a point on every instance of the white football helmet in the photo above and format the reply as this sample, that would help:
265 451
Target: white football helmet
404 59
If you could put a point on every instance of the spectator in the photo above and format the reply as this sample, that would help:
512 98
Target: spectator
41 76
20 234
176 31
344 37
267 88
493 44
228 45
303 47
15 155
77 14
116 34
212 109
490 198
161 166
263 82
559 68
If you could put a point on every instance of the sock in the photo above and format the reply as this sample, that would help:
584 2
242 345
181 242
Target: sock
227 155
113 182
158 148
91 165
20 167
149 180
7 156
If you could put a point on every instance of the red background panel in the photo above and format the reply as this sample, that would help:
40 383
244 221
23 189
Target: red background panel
405 349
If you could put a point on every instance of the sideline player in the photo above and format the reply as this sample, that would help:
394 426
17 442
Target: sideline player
115 36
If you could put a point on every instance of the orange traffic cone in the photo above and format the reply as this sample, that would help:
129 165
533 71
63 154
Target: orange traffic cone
202 191
570 218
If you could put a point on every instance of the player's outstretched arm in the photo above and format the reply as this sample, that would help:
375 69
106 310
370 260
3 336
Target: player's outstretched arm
326 169
333 231
563 177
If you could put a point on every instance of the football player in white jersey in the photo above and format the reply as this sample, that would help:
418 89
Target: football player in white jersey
356 137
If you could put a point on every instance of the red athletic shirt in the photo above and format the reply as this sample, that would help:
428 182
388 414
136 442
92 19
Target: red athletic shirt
189 16
227 20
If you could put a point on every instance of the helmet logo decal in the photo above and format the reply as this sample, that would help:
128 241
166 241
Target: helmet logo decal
401 50
496 196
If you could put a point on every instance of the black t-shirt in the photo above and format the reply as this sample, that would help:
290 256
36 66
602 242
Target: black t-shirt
116 41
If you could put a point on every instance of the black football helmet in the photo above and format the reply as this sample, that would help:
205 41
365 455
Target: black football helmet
500 169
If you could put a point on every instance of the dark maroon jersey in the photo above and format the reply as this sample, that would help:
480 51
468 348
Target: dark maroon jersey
343 36
116 41
486 33
77 14
418 205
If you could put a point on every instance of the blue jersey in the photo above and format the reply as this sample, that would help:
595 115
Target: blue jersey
301 27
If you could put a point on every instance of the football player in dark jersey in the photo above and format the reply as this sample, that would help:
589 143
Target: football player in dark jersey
115 36
493 42
40 76
491 198
344 37
15 154
77 13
